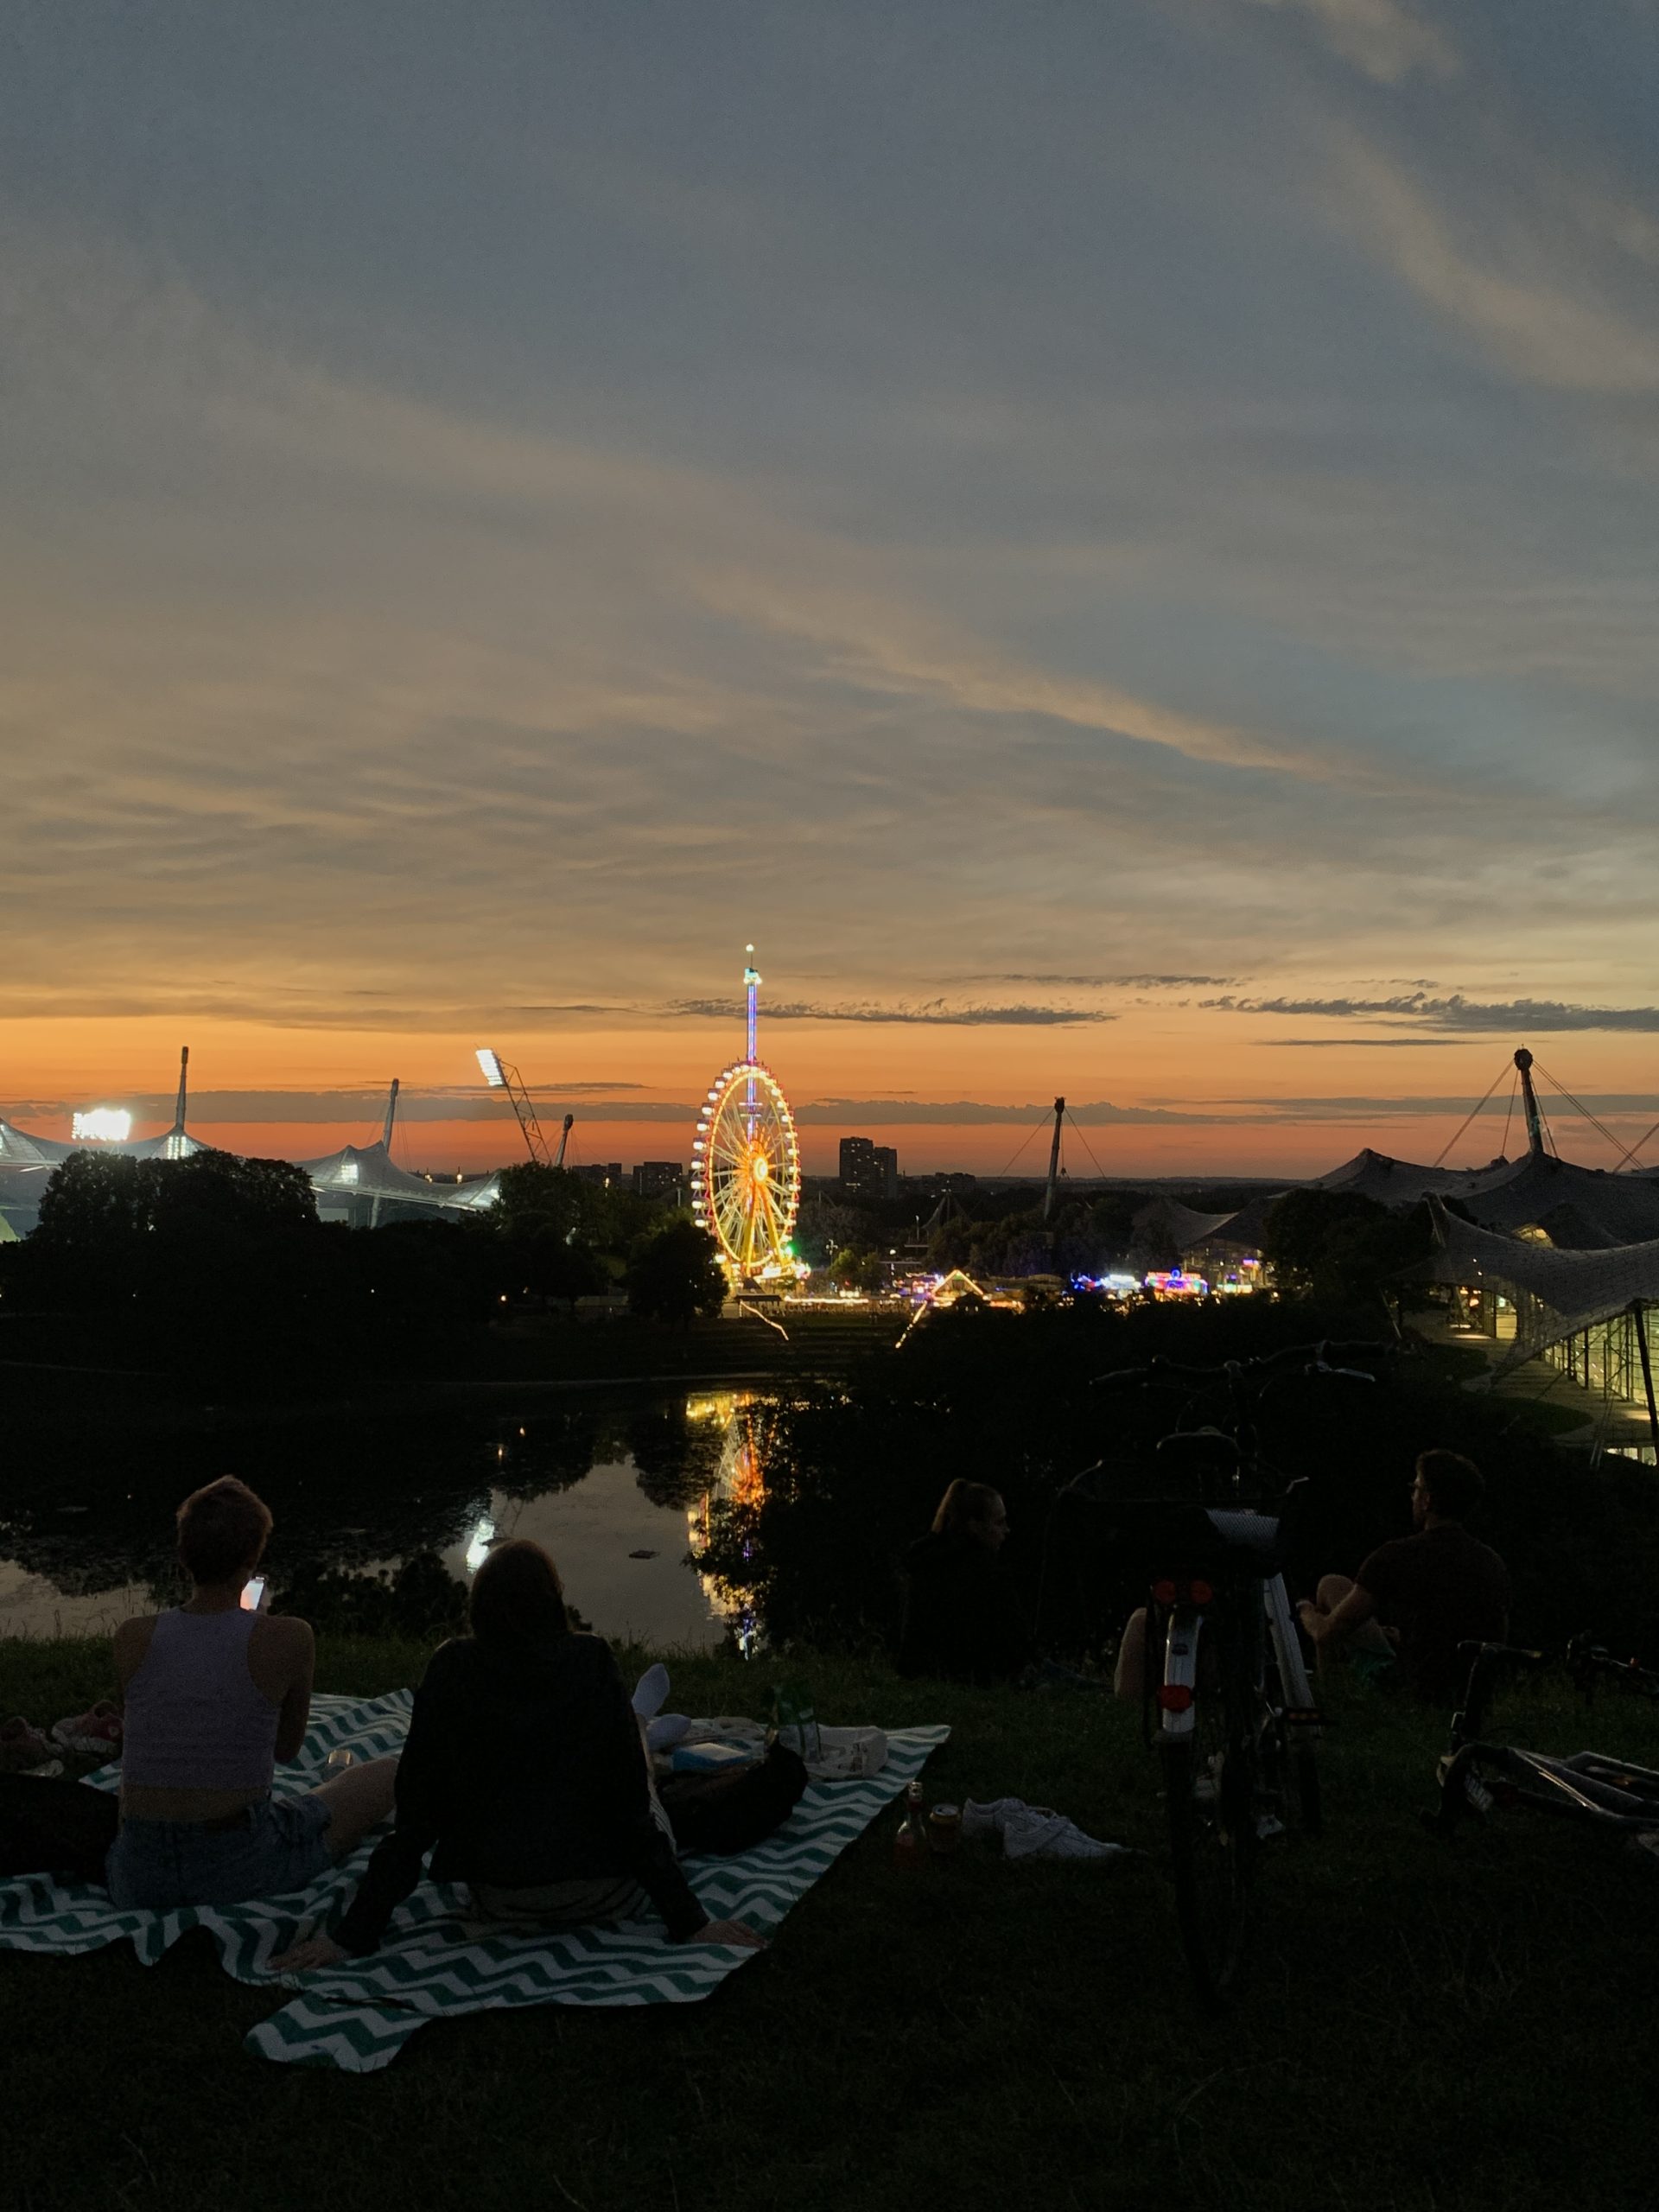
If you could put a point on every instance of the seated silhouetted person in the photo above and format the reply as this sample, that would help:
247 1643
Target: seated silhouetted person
960 1617
1418 1598
217 1696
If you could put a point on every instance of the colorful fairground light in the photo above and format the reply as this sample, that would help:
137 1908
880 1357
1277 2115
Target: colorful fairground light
745 1167
739 1482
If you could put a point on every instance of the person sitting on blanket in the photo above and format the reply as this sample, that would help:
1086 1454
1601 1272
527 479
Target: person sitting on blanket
960 1616
525 1777
216 1694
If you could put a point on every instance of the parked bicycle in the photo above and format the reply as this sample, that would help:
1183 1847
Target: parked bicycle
1227 1704
1478 1777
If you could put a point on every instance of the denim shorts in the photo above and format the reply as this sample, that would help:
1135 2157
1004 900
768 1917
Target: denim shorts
280 1844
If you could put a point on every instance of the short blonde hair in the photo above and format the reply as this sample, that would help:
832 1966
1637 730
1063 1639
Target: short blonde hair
222 1528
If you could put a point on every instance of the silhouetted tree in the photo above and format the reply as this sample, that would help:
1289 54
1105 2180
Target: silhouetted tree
676 1274
1338 1246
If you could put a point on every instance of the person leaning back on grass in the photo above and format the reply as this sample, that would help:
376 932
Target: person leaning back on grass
215 1696
1418 1598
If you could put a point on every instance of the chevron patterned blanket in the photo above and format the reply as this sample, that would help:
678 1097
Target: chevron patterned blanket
359 2016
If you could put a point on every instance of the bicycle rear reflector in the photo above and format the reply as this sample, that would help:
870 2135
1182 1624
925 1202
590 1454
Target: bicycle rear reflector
1174 1697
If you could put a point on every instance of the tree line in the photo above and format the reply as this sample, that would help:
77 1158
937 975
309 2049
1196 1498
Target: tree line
216 1264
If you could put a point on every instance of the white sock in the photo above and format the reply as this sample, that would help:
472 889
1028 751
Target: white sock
666 1729
650 1691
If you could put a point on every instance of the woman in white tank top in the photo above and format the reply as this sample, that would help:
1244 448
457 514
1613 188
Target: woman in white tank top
216 1697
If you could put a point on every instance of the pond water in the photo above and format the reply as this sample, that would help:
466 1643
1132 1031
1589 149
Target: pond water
619 1492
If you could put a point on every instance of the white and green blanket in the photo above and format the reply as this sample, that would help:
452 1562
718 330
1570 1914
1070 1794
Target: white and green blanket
359 2016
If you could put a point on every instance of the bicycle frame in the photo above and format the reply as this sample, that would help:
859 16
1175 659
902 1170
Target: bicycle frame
1236 1744
1176 1691
1476 1777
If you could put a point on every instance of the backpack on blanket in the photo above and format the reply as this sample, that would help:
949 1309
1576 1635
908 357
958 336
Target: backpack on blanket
722 1813
51 1827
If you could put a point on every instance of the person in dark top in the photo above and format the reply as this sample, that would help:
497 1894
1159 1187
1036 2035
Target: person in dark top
960 1617
1418 1598
526 1777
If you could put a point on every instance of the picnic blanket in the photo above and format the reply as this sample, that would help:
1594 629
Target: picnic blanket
358 2015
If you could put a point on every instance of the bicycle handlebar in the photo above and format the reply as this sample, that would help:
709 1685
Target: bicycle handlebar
1512 1653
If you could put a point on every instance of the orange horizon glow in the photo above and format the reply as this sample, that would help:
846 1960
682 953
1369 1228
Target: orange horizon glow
1257 1105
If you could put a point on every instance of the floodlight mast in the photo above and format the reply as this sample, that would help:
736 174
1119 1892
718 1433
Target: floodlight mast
500 1077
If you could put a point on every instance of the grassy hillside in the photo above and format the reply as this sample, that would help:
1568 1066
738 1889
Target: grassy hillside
1425 2027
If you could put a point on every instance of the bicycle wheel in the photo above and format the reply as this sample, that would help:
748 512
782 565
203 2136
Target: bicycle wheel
1210 1785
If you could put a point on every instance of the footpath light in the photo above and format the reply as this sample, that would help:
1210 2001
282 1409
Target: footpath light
102 1125
491 1063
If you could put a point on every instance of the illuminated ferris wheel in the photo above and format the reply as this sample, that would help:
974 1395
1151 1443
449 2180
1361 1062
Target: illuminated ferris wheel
745 1165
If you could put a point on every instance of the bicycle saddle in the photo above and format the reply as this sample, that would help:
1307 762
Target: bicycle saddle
1255 1535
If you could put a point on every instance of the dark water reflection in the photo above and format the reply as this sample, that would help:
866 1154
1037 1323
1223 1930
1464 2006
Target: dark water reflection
619 1491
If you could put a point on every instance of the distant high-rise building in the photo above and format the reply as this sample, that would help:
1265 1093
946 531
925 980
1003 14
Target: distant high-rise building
606 1173
868 1170
658 1178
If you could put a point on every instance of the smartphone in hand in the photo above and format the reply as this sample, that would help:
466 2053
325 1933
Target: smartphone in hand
253 1595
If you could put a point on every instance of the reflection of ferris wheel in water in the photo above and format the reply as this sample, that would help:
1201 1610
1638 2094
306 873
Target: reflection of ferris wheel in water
745 1167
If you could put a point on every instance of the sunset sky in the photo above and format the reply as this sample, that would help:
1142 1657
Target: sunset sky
1113 539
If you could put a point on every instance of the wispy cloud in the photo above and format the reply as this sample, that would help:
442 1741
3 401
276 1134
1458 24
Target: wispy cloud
1106 983
1393 1106
1384 39
930 1012
1511 1016
1518 286
963 1113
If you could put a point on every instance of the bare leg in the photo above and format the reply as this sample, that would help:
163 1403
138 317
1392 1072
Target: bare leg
1368 1636
358 1800
1129 1680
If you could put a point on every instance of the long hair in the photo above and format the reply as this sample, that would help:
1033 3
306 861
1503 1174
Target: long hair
518 1601
963 1507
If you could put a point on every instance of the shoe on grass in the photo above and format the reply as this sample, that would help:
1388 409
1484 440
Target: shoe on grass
987 1819
96 1734
1035 1833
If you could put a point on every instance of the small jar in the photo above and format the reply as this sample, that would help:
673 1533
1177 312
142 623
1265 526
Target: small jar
944 1829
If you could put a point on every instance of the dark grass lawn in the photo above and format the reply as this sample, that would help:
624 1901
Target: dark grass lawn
1424 2026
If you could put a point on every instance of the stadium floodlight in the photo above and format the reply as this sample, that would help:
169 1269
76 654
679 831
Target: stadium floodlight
102 1125
495 1075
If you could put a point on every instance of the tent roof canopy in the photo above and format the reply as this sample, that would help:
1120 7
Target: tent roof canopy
1570 1290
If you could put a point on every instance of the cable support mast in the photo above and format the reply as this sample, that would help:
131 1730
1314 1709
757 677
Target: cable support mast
1537 1133
1054 1159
